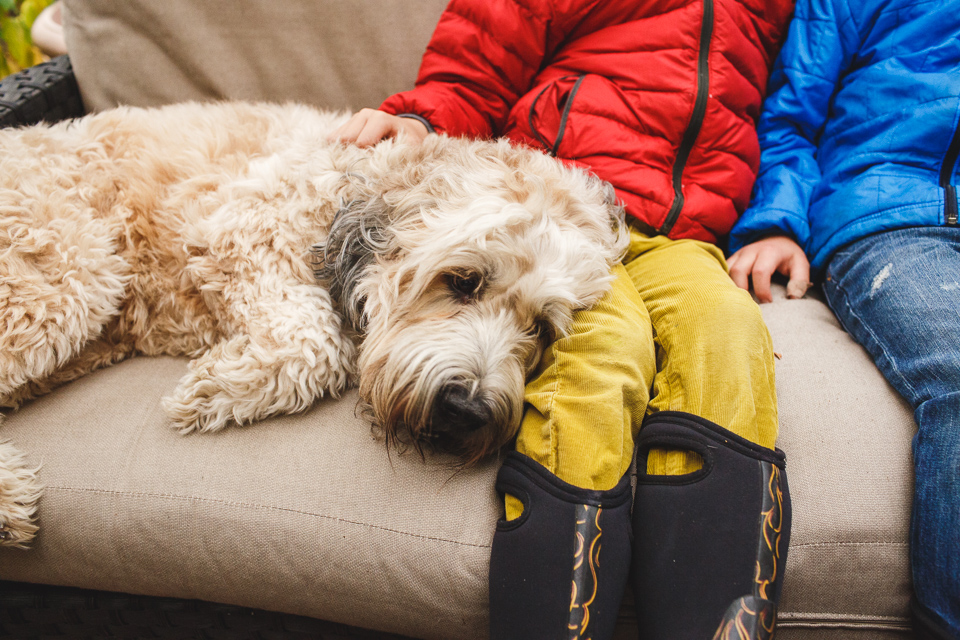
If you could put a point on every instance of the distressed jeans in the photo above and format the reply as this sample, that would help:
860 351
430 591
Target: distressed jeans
898 294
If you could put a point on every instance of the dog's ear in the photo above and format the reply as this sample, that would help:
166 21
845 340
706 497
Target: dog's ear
358 235
610 194
619 235
615 205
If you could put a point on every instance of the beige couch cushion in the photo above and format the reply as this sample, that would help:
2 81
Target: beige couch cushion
304 514
307 514
335 53
847 437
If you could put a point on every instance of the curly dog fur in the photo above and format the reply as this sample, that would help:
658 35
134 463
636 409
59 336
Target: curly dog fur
289 267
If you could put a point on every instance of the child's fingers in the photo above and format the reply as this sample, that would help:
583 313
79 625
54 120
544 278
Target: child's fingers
367 127
756 263
350 130
799 272
763 269
376 128
739 265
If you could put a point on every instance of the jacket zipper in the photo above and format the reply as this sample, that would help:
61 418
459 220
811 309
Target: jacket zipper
696 120
946 173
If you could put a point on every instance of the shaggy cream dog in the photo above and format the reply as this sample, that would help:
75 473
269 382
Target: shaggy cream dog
237 235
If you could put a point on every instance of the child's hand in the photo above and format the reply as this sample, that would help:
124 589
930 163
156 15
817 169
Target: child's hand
760 259
370 126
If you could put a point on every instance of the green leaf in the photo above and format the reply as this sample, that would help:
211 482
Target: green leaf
29 11
8 5
17 37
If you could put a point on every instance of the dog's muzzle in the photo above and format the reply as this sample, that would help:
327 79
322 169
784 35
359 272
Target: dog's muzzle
458 412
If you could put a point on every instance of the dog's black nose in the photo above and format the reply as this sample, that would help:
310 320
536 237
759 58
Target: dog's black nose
456 410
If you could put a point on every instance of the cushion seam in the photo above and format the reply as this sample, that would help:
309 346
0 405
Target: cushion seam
847 544
233 503
836 617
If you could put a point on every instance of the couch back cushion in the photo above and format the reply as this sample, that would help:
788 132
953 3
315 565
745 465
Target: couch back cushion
334 53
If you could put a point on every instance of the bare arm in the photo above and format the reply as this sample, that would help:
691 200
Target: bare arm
759 260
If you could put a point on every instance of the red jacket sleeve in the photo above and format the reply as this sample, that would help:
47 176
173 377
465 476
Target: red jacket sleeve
482 57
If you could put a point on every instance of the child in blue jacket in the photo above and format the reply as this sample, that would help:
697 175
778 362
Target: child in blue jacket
860 139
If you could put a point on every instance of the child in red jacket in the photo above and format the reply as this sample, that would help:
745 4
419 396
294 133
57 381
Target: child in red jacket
660 100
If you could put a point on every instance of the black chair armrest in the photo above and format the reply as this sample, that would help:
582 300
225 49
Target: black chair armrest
47 92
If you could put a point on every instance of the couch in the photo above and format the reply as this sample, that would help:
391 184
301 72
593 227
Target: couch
309 516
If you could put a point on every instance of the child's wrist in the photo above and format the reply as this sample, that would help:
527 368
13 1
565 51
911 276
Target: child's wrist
420 119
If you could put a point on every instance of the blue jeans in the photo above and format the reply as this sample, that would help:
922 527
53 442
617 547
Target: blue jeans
898 294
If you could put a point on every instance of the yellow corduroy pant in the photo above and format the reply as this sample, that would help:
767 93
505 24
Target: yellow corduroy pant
674 333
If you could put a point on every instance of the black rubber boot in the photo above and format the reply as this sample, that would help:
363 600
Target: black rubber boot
548 578
709 546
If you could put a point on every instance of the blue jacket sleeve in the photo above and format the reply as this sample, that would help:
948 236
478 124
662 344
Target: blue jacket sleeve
817 50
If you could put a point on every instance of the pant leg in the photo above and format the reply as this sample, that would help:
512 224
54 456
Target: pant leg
585 407
586 402
710 545
714 352
898 294
567 491
709 354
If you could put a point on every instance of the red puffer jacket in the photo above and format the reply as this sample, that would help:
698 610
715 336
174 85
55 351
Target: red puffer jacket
658 98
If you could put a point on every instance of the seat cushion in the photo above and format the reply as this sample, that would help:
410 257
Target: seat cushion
847 437
309 514
306 514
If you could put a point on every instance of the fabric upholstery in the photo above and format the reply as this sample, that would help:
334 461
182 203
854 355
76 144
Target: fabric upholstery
308 514
305 514
153 52
847 437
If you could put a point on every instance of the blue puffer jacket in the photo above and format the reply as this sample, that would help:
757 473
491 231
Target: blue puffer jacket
859 132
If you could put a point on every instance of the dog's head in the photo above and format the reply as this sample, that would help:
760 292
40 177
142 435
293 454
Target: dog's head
458 262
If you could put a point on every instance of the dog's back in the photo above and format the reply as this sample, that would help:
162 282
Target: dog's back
99 220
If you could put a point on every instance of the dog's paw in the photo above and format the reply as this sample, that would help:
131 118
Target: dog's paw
194 407
20 490
185 419
204 402
237 382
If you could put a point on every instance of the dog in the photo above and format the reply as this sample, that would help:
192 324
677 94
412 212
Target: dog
289 267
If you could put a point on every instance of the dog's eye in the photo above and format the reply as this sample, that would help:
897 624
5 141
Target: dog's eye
465 284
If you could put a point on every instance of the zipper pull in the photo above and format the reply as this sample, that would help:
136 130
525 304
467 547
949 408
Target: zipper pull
950 205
